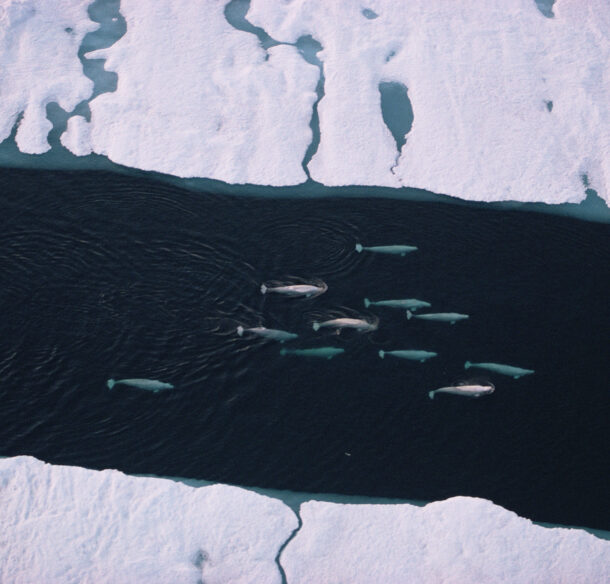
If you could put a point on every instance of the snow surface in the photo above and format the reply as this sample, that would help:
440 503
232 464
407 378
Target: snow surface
459 540
39 64
198 98
479 76
70 525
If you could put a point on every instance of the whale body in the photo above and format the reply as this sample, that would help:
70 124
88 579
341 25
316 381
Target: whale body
389 249
467 389
354 323
296 290
148 384
409 303
420 356
514 372
319 352
450 317
267 333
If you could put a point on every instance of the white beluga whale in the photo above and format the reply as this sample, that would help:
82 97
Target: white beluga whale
387 249
147 384
450 317
420 356
296 290
509 370
467 389
359 324
267 333
409 303
318 352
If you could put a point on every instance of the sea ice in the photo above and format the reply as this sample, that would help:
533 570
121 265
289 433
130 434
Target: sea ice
39 43
459 540
480 78
66 525
198 98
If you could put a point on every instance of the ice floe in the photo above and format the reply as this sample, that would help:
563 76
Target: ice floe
70 524
459 540
39 43
67 524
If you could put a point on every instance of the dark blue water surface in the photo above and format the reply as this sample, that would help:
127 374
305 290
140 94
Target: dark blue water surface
105 276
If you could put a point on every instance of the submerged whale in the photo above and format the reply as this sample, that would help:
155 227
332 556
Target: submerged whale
409 303
420 356
148 384
358 324
467 389
267 333
515 372
389 249
320 352
296 290
451 317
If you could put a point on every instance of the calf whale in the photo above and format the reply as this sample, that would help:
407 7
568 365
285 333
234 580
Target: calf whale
467 389
148 384
267 333
420 356
388 249
514 372
319 352
358 324
409 303
450 317
296 290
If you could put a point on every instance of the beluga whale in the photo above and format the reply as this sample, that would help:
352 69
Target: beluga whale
318 352
409 303
267 333
295 290
466 388
147 384
450 317
509 370
359 324
420 356
400 250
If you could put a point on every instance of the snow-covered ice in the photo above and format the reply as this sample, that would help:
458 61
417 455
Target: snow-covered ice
70 525
198 98
39 64
455 541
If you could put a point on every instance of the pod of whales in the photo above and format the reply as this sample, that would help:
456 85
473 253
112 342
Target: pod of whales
148 384
450 317
467 389
420 356
296 290
358 324
267 333
509 370
408 303
319 352
387 249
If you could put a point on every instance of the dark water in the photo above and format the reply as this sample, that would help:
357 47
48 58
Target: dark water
110 276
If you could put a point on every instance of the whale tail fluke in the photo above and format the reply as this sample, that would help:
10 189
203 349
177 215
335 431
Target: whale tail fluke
110 383
359 247
263 289
409 315
431 394
467 365
316 326
240 331
367 303
382 354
